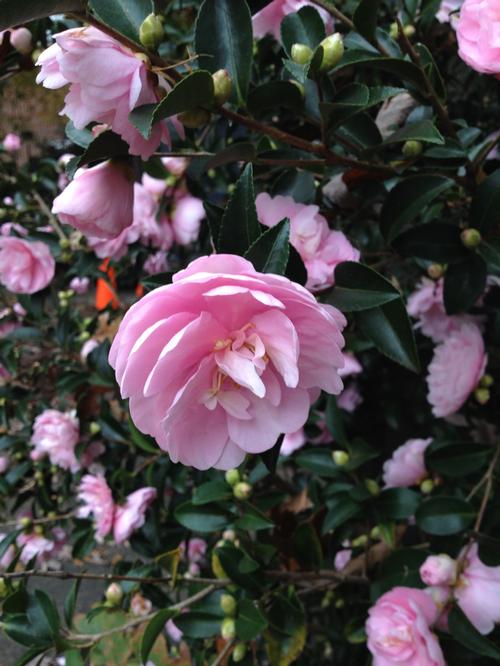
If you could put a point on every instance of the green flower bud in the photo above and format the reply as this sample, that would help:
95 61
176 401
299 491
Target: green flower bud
217 567
229 535
233 477
333 50
114 594
239 652
38 530
301 54
3 588
372 487
94 428
435 271
375 533
427 486
2 402
394 31
84 336
482 395
223 86
412 148
360 542
409 30
25 521
340 603
151 32
228 629
471 237
340 458
242 490
486 381
64 244
38 475
194 118
228 604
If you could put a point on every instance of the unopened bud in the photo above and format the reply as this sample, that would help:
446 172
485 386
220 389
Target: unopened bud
375 533
38 530
486 381
242 490
372 487
301 54
239 652
84 336
482 395
340 458
25 521
412 148
233 477
435 271
64 243
217 567
228 629
394 30
3 588
340 603
151 32
471 237
228 604
94 428
333 50
427 486
194 118
114 594
3 402
409 30
360 542
38 475
229 535
223 86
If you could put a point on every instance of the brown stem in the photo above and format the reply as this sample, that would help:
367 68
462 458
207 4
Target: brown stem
338 576
39 521
223 653
336 13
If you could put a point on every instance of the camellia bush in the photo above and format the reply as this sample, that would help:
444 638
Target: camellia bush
249 334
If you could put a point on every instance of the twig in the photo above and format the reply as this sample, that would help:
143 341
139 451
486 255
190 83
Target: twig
338 576
39 521
223 653
48 213
336 13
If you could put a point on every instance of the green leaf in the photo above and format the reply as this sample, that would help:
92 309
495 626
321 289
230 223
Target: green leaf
456 459
286 635
397 503
270 252
365 18
214 218
236 564
464 283
424 131
124 16
143 442
403 69
70 602
240 226
197 624
211 491
303 27
432 71
201 518
82 138
30 655
358 287
466 634
224 40
352 99
103 147
307 546
9 540
408 199
435 241
73 658
490 252
340 509
275 94
486 204
253 519
271 456
153 629
390 330
444 515
335 421
242 151
295 269
250 621
319 461
14 13
49 611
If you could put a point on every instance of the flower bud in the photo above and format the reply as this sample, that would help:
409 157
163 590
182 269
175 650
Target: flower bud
412 148
239 652
409 30
217 567
223 86
340 458
114 594
3 588
232 477
435 271
340 603
84 336
229 535
375 533
394 30
301 54
360 542
372 487
471 237
228 629
25 521
439 570
228 604
94 428
482 395
427 486
20 39
333 50
194 118
151 32
64 244
486 381
242 490
38 530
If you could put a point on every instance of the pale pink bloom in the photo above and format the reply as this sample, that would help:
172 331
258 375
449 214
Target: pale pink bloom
97 500
20 38
293 441
351 365
107 80
268 20
220 362
320 248
175 165
477 35
455 370
150 227
4 464
406 467
55 434
117 247
156 263
19 310
173 631
139 605
478 592
342 559
350 398
155 186
131 516
439 570
12 142
399 629
448 12
8 201
88 347
186 219
34 545
7 227
98 201
9 554
196 550
80 285
25 266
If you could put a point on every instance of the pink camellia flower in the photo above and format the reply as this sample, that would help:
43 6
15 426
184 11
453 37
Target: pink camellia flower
320 248
455 370
98 201
293 441
268 20
155 186
406 467
115 248
351 365
4 464
439 570
107 80
131 515
11 142
97 500
156 263
196 550
25 266
56 434
8 227
173 631
186 219
448 12
220 362
477 30
478 592
177 166
150 226
140 606
398 629
350 398
80 285
34 545
342 559
21 40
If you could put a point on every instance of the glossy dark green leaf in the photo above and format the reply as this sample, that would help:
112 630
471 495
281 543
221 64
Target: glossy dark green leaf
432 70
402 69
211 491
8 540
456 459
352 99
270 252
444 515
358 287
242 151
70 602
124 16
303 27
490 251
334 421
295 269
424 131
408 199
234 562
486 204
250 621
104 146
464 283
197 624
253 519
274 94
240 226
153 629
365 18
307 546
224 40
201 518
81 137
318 461
214 218
14 13
340 509
488 550
466 634
435 241
29 656
397 503
401 568
49 610
361 131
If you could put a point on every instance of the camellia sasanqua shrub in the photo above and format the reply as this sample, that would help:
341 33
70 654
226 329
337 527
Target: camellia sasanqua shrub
249 334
